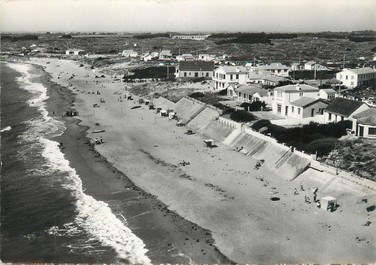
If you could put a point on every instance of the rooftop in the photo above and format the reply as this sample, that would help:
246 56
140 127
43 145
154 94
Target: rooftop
343 106
196 66
233 69
367 117
364 70
297 87
305 101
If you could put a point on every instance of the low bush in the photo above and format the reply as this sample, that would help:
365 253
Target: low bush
254 106
242 116
322 146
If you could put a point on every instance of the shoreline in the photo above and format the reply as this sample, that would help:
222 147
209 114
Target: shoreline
231 200
77 148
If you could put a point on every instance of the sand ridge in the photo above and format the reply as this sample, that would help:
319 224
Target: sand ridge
220 190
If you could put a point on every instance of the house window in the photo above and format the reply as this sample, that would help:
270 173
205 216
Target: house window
279 108
230 77
330 116
196 74
299 111
347 77
237 76
185 74
301 94
352 83
207 74
372 131
292 109
352 77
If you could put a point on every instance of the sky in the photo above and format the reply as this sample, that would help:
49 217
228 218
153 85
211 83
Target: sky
187 15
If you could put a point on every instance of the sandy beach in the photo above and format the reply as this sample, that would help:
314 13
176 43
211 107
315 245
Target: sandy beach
219 191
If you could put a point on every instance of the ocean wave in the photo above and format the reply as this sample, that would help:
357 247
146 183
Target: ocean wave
95 216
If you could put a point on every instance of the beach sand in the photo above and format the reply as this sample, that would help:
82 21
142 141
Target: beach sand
220 190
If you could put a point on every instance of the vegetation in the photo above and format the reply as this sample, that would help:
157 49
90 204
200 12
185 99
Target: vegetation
249 38
254 106
150 35
311 138
151 72
242 116
18 37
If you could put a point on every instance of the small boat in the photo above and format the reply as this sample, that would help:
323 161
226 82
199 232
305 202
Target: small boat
136 107
99 131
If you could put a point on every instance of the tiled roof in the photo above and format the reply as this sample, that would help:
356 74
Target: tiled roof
328 90
196 66
365 70
304 101
343 106
251 90
366 117
233 69
301 87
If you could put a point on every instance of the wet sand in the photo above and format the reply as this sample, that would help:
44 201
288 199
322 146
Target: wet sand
220 190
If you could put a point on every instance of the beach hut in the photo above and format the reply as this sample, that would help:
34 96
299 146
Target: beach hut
328 203
209 143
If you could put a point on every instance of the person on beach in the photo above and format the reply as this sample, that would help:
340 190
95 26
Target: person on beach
101 139
296 192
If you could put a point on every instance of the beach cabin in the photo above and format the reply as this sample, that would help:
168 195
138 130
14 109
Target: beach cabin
328 203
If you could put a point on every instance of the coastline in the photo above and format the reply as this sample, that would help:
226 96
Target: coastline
168 237
245 228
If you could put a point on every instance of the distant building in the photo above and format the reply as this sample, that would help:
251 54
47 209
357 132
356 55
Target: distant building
74 52
129 53
327 93
364 123
357 77
310 65
284 95
206 57
190 37
165 55
185 57
297 67
229 75
194 69
274 68
343 109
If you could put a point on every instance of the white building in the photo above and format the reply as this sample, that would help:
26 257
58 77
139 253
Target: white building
74 52
364 123
185 57
284 95
190 37
357 77
206 57
327 93
129 53
274 68
229 75
310 65
165 55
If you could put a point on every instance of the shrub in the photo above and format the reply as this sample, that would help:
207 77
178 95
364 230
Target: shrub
197 95
242 116
254 106
260 123
322 146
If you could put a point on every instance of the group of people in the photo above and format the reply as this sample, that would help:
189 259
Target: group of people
71 113
307 198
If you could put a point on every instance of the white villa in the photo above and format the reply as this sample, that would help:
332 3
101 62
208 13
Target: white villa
364 123
285 95
274 68
225 76
357 77
343 109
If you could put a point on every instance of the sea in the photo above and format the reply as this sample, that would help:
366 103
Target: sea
45 214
